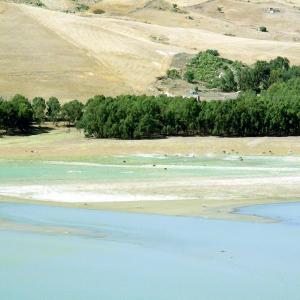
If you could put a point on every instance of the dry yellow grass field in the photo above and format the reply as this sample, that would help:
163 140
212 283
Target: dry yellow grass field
48 52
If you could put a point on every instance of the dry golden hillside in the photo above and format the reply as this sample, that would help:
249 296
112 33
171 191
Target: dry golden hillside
56 50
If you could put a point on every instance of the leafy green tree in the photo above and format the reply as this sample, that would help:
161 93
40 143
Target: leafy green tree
39 108
53 109
261 73
280 63
22 109
72 112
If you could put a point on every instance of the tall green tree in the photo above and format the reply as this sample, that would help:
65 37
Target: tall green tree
72 112
53 109
39 108
22 110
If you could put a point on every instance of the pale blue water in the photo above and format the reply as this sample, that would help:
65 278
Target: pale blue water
287 213
141 257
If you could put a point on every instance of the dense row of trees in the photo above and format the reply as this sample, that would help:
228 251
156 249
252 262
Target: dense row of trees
274 112
18 113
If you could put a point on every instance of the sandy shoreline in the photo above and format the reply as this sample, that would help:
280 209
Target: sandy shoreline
177 208
209 198
65 144
269 173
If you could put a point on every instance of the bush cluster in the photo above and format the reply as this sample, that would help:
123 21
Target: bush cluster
217 72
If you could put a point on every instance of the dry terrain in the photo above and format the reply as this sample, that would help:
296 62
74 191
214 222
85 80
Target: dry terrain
58 50
62 143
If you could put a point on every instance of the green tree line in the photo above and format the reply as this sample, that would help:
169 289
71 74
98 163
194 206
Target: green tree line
18 114
273 112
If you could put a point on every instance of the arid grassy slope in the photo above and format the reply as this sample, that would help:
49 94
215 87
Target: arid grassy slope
46 52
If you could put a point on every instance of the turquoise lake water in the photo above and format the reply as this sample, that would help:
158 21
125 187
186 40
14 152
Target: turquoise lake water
139 257
107 169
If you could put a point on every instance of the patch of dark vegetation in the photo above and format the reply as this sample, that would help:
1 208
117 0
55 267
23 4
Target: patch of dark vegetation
173 74
276 112
82 7
19 116
220 9
263 29
215 72
98 11
164 5
229 34
38 3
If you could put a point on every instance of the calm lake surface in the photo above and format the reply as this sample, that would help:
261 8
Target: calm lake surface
74 254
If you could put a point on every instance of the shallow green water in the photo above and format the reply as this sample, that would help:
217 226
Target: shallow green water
146 167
